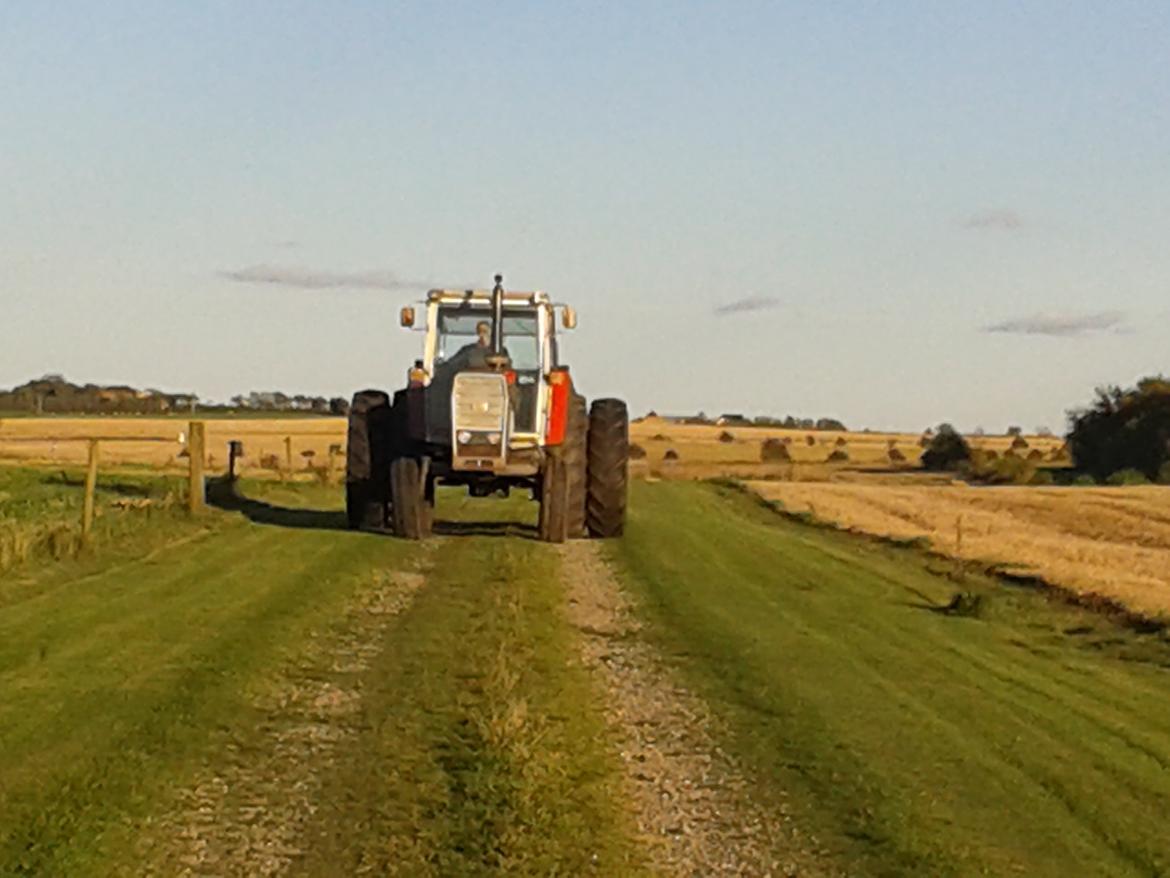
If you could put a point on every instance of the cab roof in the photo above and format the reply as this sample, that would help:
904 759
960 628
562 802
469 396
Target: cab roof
536 297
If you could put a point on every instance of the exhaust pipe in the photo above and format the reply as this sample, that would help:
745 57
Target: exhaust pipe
498 317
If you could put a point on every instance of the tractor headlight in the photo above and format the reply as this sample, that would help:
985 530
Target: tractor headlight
464 437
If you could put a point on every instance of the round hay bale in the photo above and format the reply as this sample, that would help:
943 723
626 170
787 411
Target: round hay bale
726 437
637 452
772 450
839 455
810 440
670 454
841 443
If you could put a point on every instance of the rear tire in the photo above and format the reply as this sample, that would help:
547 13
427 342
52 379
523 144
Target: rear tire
609 452
409 506
576 465
365 461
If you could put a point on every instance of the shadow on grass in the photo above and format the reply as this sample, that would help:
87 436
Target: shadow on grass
223 494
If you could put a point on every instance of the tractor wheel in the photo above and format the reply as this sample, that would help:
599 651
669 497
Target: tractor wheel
365 461
576 464
554 500
409 506
609 451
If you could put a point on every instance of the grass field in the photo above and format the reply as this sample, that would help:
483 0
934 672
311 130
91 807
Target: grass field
1113 542
260 692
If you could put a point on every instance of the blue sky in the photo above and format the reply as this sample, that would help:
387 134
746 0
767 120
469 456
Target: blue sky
892 213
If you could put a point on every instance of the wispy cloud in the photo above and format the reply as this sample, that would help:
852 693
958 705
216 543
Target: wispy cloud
1000 218
1062 325
317 279
751 303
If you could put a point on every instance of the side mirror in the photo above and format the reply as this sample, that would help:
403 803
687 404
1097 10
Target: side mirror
568 317
406 317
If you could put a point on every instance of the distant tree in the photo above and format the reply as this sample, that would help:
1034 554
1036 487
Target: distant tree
339 406
947 449
1015 431
829 424
1123 430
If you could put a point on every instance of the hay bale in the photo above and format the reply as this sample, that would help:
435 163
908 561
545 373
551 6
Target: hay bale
925 441
670 454
891 444
839 455
658 437
991 454
895 455
841 443
772 450
810 440
1019 443
787 440
1035 454
637 452
726 437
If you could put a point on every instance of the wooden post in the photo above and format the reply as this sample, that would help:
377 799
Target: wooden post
288 453
87 505
195 453
235 451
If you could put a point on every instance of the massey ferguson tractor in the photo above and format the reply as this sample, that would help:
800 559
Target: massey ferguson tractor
489 406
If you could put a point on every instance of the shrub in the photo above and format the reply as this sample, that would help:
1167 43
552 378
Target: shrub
946 450
1164 473
925 441
1084 480
839 455
726 437
1008 470
773 450
637 452
670 454
1042 477
1128 477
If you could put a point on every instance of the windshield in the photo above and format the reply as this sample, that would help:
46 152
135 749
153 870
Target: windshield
457 330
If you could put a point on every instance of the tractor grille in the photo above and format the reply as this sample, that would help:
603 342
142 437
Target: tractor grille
480 401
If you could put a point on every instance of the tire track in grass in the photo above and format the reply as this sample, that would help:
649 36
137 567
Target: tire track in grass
246 817
692 804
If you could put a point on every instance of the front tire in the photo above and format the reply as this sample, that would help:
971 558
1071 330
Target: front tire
608 478
554 500
409 507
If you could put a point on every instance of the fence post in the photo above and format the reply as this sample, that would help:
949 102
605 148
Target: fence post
195 454
288 453
87 505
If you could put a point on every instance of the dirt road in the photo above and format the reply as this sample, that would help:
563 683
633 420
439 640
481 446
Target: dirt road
721 692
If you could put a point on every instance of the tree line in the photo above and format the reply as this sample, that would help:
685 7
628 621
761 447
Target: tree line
53 394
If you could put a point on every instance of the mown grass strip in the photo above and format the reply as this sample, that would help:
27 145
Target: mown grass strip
116 681
485 751
911 740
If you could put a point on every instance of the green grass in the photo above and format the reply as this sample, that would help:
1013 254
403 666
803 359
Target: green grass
115 670
1029 738
127 673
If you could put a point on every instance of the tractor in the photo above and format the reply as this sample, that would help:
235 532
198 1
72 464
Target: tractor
490 407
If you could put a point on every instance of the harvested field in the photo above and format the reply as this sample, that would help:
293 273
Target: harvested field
1113 542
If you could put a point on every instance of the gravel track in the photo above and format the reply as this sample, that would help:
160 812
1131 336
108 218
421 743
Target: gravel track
692 804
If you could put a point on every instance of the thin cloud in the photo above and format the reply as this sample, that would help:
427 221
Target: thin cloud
1062 325
751 303
996 219
316 279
